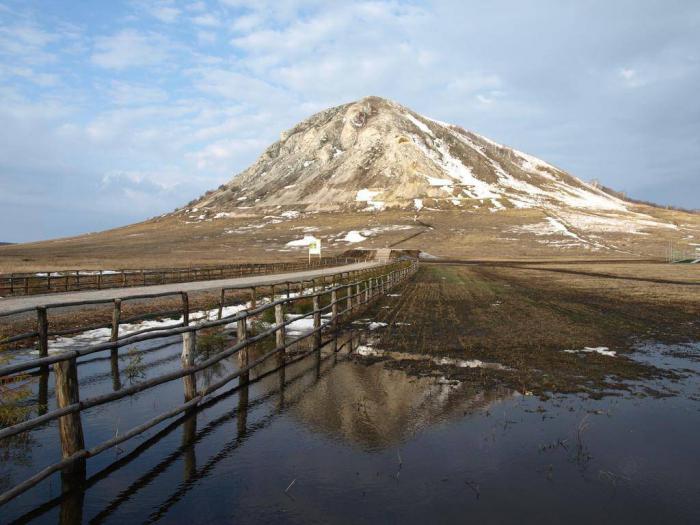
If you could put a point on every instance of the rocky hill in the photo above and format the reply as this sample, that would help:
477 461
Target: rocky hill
374 174
375 154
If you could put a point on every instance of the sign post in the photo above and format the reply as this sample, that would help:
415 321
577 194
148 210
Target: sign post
314 247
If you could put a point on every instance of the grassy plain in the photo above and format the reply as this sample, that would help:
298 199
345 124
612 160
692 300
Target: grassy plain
180 240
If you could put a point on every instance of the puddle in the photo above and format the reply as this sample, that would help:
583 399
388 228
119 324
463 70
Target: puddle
335 438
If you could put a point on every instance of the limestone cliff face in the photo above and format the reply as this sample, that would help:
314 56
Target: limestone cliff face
375 154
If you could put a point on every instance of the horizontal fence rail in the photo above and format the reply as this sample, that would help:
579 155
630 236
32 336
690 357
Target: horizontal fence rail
16 284
342 294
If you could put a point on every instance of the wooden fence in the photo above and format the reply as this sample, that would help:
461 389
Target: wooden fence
14 284
343 296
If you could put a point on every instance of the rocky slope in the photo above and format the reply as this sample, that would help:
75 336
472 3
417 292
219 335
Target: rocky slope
375 155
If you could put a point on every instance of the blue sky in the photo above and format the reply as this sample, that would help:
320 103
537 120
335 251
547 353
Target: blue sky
112 112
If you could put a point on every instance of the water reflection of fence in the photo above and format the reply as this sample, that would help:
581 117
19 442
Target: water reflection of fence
351 292
71 502
14 284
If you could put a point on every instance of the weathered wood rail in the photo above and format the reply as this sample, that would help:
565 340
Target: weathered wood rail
16 284
343 294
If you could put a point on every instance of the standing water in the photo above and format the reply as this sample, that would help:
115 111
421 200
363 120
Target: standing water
348 437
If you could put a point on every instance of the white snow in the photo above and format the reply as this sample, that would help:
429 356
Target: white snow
453 167
366 350
367 195
433 181
602 350
354 236
418 203
420 125
308 239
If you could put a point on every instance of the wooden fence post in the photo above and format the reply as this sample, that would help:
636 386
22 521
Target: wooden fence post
349 298
317 323
280 334
242 335
334 308
357 293
116 318
189 344
99 280
289 291
185 308
69 426
253 298
334 318
42 327
221 304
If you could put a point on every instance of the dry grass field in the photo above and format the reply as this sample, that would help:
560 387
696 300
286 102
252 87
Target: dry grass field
524 319
180 240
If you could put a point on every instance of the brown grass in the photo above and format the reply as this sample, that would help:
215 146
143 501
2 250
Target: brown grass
523 319
465 233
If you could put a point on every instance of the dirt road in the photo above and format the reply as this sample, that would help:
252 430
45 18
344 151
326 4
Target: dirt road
16 303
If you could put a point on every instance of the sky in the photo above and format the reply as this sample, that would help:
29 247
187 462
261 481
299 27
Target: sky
112 111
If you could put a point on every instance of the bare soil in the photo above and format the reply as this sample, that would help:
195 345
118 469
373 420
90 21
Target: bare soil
524 319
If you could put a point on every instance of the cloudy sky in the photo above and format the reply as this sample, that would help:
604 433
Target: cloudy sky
112 112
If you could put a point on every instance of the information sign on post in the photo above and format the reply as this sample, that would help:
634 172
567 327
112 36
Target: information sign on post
314 247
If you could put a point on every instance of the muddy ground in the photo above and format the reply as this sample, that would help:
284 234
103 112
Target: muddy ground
524 319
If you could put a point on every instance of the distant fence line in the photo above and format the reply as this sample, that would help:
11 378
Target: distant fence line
15 284
346 290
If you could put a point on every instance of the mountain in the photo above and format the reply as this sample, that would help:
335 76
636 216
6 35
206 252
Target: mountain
374 174
375 154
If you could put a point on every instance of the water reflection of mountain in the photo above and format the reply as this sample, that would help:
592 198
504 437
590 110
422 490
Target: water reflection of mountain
374 406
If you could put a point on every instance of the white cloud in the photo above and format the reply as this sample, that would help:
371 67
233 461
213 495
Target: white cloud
207 20
126 94
28 42
166 14
631 77
27 73
130 48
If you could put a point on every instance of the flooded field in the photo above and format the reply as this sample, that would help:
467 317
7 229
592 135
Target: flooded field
563 427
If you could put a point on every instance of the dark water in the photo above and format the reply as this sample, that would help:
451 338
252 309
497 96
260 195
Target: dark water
340 440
